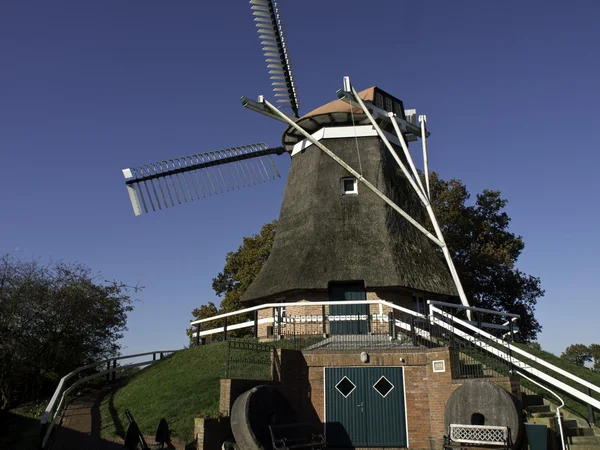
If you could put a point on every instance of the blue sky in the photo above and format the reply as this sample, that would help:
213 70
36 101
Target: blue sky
510 90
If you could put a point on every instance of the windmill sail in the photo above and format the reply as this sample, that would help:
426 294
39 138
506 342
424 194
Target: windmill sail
270 30
167 183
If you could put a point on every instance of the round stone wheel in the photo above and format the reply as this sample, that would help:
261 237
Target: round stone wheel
253 412
484 403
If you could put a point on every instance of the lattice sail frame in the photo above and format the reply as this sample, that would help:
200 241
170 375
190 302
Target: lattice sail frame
270 31
175 180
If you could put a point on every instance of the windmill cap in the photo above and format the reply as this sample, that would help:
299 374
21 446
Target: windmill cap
335 113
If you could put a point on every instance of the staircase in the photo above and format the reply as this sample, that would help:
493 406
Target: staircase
578 434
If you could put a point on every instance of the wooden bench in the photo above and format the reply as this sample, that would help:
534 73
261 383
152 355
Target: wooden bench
474 437
298 435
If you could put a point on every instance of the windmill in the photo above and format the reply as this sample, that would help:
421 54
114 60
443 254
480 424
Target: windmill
354 203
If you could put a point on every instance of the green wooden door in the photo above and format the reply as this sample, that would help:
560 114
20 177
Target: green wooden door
365 407
348 319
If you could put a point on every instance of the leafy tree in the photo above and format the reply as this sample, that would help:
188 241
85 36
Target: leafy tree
595 354
53 319
241 268
485 252
577 354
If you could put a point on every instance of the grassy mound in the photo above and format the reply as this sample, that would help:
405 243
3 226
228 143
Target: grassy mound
178 388
571 404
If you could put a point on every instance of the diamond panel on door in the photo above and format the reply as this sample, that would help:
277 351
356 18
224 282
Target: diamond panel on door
383 386
364 407
345 387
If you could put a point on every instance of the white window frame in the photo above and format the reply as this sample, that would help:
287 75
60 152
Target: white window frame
343 190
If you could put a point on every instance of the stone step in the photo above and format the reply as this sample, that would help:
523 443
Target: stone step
576 440
578 431
544 414
570 423
584 446
538 408
532 400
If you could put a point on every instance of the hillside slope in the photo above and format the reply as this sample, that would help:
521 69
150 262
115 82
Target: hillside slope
178 388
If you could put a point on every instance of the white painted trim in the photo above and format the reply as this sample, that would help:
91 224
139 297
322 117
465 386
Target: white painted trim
383 376
443 369
521 365
325 402
310 303
351 390
405 406
342 132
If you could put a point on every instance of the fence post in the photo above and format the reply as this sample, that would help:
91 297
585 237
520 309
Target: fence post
227 360
114 374
153 356
256 324
324 322
591 418
198 328
225 329
391 324
107 373
412 330
161 355
279 323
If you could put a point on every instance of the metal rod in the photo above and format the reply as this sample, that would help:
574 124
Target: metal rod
424 200
149 196
353 172
175 189
423 121
324 321
141 195
256 324
407 154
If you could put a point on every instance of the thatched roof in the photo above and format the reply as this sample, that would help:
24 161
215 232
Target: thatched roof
323 236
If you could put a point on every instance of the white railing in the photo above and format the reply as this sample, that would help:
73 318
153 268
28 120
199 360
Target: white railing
501 348
450 320
271 319
57 402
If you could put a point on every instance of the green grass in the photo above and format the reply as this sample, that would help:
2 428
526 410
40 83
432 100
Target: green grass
571 403
181 387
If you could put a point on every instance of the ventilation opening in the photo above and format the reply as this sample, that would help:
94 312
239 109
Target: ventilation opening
477 419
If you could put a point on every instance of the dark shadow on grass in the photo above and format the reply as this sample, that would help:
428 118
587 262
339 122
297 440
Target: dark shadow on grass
17 431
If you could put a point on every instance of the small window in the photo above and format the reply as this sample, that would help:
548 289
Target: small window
419 305
398 109
379 100
349 186
388 104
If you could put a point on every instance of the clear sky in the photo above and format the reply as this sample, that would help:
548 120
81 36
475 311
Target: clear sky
510 89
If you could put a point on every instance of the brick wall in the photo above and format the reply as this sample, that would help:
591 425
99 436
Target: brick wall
426 391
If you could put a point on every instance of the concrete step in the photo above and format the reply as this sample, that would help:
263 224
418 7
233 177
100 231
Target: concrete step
544 414
532 400
538 408
570 423
584 446
578 431
580 440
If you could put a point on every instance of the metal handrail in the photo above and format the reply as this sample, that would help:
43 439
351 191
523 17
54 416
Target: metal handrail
58 398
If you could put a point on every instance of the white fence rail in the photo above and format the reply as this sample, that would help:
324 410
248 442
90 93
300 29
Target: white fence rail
501 349
57 402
